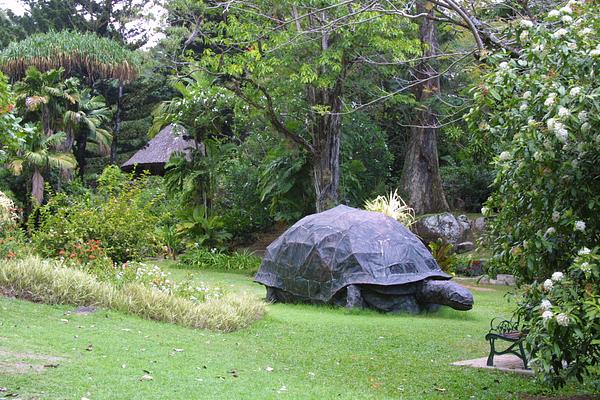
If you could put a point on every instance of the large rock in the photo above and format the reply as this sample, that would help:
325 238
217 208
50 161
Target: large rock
444 226
478 226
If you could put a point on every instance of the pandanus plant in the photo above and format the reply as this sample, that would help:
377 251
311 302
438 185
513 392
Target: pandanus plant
78 54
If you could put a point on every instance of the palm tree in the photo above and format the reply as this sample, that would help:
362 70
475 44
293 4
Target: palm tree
84 124
37 156
45 96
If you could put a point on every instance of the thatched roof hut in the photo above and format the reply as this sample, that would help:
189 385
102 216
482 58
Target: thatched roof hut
155 154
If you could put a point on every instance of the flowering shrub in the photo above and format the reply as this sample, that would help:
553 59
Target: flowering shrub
563 315
541 108
90 257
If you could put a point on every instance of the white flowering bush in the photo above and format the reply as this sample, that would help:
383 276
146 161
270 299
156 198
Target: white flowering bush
563 322
541 112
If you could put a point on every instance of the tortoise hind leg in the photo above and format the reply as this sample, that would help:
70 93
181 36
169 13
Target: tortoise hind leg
354 297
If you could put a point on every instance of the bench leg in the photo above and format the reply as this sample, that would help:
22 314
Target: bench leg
490 360
523 355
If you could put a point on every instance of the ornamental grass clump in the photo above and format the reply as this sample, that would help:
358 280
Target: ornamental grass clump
51 282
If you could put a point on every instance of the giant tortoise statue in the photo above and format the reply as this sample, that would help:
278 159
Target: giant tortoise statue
357 258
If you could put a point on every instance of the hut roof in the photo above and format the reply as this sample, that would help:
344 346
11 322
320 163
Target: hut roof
155 154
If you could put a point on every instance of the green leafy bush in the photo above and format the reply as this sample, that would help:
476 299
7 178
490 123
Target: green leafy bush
199 229
216 260
542 108
119 216
12 237
238 200
443 252
563 322
466 184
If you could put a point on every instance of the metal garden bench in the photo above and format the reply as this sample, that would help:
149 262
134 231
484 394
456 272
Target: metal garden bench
507 331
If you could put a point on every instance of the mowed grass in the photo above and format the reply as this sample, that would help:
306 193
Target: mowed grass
295 352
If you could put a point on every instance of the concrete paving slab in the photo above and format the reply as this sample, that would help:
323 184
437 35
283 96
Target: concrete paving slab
505 362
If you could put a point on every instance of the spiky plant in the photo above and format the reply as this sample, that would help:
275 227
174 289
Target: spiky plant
79 54
392 206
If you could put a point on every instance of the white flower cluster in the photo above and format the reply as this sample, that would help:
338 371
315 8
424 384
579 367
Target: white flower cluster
584 251
585 267
580 226
550 100
564 112
559 129
562 319
559 33
525 23
155 278
546 305
557 276
505 156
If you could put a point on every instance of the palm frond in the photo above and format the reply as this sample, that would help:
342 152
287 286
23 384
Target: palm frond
62 161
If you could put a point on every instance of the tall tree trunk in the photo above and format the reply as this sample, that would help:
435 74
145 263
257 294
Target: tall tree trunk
421 181
117 131
80 148
37 186
326 132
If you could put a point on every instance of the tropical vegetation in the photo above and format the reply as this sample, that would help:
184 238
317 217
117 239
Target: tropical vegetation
484 114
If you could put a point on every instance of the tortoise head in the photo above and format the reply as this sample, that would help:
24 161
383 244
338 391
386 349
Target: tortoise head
446 293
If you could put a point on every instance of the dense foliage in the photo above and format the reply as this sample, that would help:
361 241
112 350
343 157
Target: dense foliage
546 185
562 316
119 215
543 108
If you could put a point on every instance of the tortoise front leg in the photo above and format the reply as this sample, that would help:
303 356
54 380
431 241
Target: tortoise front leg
353 297
271 294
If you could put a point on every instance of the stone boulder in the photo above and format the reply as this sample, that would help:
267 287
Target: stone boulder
478 226
446 226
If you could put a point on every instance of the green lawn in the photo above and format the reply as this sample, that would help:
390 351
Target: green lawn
296 352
